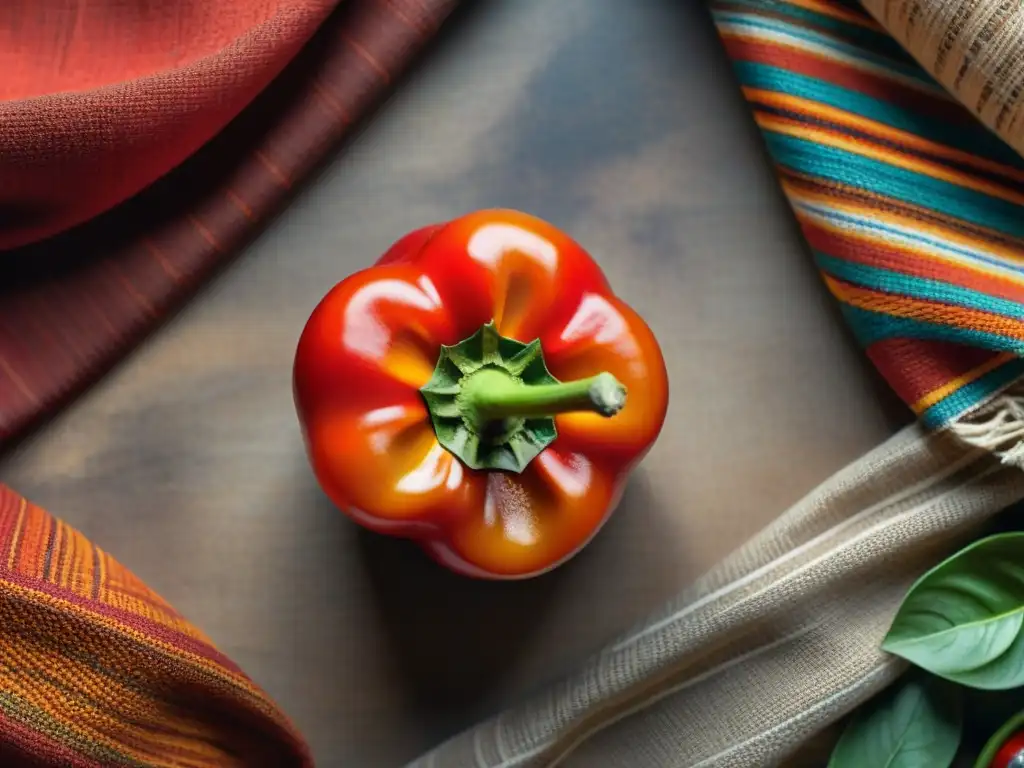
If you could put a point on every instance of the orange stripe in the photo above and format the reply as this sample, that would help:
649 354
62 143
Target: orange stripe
67 702
925 311
862 247
242 205
848 119
331 101
829 138
367 57
276 172
54 701
140 299
1008 253
19 383
826 9
33 548
405 19
207 235
77 572
67 563
172 271
235 679
759 47
16 537
930 399
101 574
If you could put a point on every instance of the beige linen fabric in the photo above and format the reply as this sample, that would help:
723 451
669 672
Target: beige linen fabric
775 643
975 48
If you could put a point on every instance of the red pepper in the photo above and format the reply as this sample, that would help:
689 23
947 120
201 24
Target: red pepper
470 391
1005 749
1011 753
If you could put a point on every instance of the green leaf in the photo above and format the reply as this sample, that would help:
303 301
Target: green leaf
963 620
915 723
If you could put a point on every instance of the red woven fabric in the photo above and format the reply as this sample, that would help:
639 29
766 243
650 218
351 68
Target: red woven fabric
78 138
100 99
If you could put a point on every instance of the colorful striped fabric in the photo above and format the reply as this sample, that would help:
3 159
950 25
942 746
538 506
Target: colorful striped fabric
912 209
97 671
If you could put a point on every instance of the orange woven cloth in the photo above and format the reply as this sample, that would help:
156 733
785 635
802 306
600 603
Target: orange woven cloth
96 670
195 118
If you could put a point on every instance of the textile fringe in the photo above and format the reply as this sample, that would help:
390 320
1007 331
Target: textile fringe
998 426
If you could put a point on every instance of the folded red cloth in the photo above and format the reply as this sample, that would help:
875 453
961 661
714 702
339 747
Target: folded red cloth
98 100
76 140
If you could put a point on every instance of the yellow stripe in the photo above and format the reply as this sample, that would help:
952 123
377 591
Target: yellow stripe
994 250
934 312
858 122
925 168
836 13
952 386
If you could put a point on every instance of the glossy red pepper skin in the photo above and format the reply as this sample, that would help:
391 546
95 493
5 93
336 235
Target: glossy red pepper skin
1009 751
374 340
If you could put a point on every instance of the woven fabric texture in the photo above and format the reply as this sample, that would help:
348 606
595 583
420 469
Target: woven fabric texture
97 671
972 47
72 305
775 643
913 210
90 87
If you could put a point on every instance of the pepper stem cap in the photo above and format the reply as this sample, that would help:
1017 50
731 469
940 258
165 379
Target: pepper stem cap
492 400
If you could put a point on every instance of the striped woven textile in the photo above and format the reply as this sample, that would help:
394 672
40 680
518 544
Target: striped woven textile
98 671
913 210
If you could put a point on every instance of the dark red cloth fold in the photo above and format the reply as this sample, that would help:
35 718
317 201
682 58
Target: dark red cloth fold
70 306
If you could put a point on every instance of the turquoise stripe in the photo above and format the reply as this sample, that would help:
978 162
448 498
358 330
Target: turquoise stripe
900 66
838 166
872 327
856 34
917 237
970 136
888 281
973 394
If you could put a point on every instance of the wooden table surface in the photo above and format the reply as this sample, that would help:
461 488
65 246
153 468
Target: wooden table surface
620 124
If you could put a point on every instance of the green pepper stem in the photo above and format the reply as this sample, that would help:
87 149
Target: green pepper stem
492 394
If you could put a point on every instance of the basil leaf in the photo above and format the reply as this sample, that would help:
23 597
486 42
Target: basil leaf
915 723
963 620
